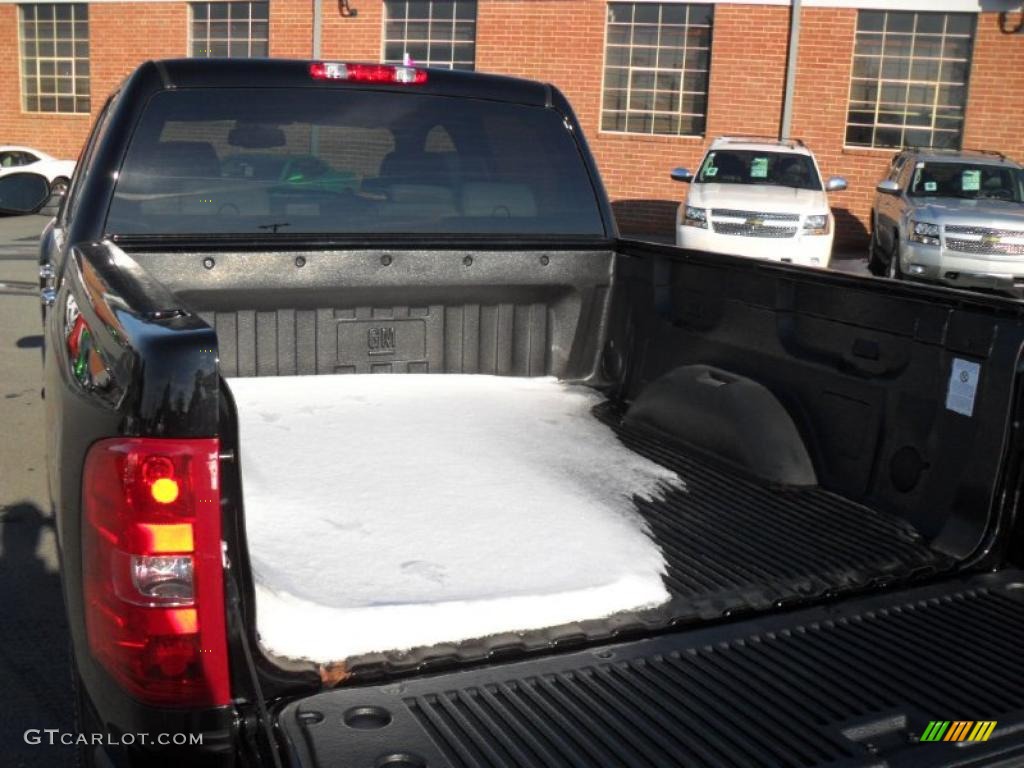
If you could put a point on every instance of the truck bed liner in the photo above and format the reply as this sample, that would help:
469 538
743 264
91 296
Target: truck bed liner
854 684
733 543
726 544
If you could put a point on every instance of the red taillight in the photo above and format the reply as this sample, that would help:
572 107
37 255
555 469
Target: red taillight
366 73
154 586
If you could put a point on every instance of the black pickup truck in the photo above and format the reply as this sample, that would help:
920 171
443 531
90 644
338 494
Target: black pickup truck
626 504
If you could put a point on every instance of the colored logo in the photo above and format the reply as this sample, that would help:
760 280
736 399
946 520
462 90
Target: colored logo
958 730
990 239
755 222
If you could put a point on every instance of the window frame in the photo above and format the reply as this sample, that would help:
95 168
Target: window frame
679 113
453 41
69 204
79 14
937 84
249 39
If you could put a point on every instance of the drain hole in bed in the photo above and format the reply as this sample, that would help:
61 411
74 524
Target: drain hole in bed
401 760
367 718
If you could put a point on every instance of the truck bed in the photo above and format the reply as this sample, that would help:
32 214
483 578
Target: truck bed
854 684
384 530
732 546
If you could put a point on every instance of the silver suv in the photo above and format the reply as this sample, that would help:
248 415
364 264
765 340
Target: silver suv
953 217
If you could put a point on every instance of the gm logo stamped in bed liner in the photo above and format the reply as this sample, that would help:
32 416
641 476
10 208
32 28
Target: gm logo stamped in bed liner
380 340
386 339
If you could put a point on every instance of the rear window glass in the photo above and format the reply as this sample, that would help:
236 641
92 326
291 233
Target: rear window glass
293 161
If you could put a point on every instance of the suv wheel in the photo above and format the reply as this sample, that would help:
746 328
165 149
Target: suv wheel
893 270
876 259
59 187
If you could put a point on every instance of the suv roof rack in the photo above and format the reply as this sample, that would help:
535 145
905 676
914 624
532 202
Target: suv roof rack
737 138
951 151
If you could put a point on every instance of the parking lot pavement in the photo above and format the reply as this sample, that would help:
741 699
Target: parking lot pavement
19 236
34 671
850 263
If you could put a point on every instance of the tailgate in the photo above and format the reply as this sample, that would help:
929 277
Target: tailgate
855 684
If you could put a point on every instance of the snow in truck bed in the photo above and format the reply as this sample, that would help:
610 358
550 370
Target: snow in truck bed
392 512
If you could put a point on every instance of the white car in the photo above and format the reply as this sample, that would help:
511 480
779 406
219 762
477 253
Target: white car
14 159
760 198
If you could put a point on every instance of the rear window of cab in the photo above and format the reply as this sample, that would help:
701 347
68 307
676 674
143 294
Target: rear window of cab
246 161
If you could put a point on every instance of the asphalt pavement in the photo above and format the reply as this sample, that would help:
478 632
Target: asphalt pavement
19 236
34 672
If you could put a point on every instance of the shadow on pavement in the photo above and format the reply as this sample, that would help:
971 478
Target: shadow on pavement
851 234
34 664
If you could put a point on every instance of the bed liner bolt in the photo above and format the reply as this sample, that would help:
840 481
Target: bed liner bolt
300 261
544 261
208 262
468 261
385 260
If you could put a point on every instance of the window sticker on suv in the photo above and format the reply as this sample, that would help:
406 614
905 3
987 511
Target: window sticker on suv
711 171
759 168
971 181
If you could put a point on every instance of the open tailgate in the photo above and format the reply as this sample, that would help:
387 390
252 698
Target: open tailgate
854 684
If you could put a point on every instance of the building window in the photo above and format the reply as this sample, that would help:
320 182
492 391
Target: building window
909 82
432 33
55 57
230 29
656 62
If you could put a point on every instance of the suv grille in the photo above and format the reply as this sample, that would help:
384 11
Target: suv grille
753 223
985 241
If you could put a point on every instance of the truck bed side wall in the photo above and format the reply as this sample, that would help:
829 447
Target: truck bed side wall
526 313
864 372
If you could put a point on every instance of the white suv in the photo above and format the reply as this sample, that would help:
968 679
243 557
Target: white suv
761 198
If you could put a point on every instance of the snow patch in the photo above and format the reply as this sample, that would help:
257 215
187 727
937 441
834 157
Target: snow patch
393 512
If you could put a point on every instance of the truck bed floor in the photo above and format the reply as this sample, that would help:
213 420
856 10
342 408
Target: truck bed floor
736 544
855 684
732 546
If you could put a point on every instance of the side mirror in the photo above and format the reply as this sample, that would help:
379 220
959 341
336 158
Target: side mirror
22 193
836 184
888 187
681 174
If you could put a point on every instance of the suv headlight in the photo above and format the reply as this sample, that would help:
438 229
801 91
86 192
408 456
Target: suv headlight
924 232
816 225
695 217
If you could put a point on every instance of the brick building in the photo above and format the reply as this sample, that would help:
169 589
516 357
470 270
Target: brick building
652 82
